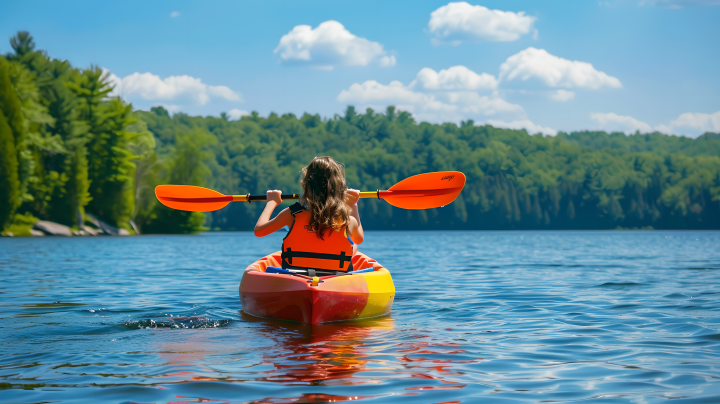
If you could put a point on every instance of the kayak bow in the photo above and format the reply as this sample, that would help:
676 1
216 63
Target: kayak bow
314 300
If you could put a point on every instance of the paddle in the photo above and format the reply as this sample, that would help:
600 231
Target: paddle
422 191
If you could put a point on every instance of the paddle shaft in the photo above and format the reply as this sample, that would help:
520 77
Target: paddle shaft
422 191
363 195
250 198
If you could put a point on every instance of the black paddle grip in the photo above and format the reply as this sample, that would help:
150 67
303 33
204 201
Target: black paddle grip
251 198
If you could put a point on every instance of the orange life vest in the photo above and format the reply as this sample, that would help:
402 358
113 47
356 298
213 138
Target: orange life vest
303 249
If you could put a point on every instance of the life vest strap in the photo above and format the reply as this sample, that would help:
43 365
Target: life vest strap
289 254
296 208
306 271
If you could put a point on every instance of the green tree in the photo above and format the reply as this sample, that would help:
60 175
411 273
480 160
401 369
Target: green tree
11 144
9 183
187 167
110 169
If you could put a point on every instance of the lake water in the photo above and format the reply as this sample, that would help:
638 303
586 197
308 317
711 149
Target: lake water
501 317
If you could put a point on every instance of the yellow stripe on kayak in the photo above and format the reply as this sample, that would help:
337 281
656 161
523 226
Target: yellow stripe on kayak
381 292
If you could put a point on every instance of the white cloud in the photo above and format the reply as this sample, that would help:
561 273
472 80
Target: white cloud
554 71
526 124
330 45
373 92
387 61
612 122
455 78
694 123
471 103
436 107
151 87
175 14
236 114
562 95
691 124
457 22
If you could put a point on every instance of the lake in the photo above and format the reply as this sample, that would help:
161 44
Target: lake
501 317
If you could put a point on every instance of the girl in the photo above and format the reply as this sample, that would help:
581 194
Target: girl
324 225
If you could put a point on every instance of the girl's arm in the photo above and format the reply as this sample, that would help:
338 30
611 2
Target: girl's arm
265 225
355 227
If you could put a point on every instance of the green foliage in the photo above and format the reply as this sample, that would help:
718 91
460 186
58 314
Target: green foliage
55 182
21 225
74 148
11 141
583 180
9 183
186 167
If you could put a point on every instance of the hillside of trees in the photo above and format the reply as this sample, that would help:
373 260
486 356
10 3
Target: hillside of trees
66 148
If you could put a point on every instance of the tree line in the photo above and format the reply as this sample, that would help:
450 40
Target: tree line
68 148
580 180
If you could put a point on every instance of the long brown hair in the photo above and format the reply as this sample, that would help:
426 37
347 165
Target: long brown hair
324 188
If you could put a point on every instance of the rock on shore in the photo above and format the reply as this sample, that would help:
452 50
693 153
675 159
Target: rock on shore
52 228
106 228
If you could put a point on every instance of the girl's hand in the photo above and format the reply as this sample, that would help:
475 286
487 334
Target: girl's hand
352 196
274 196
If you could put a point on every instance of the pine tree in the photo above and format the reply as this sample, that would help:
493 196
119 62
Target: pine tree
9 183
110 169
11 145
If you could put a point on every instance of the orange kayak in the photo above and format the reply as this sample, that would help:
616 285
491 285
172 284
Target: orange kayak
319 299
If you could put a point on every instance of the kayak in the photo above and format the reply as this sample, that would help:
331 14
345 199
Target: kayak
365 293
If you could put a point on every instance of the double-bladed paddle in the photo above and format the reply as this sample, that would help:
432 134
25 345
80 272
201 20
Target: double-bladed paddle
422 191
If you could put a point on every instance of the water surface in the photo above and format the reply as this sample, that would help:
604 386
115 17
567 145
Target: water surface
502 317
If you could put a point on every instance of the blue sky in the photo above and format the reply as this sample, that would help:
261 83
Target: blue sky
544 66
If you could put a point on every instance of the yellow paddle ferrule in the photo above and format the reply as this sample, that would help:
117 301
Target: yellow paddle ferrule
371 194
315 280
239 198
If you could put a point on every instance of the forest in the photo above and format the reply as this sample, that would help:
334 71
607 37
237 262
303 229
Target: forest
68 149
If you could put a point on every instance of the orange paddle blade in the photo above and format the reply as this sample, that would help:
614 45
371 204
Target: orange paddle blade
191 198
425 191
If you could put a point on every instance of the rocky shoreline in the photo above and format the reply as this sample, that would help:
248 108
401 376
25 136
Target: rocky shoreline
43 228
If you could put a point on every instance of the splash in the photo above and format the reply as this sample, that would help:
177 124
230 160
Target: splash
176 322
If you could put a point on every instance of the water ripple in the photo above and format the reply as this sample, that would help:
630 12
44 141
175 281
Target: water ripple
508 317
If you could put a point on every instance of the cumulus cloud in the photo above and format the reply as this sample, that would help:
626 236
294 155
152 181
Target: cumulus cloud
612 122
451 106
562 95
526 124
149 86
691 124
456 22
474 104
396 93
236 114
175 14
330 45
554 71
455 78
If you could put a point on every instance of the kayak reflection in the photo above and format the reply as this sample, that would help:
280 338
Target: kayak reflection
322 353
412 362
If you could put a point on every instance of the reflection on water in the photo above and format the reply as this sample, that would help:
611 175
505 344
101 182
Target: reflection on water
478 316
325 355
317 355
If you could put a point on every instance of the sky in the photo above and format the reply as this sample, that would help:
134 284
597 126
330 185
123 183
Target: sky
641 65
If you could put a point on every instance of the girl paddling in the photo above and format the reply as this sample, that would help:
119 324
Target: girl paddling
324 225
